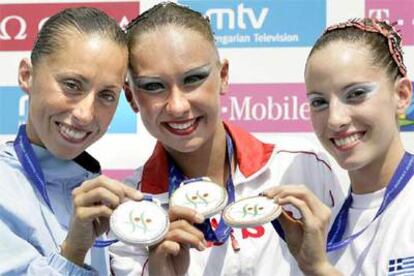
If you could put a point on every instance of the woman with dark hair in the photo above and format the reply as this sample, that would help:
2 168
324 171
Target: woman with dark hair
53 204
175 80
357 87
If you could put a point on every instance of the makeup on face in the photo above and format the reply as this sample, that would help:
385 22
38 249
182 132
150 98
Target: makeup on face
351 94
187 80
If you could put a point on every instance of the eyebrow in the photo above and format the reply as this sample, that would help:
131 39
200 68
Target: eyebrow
84 81
77 76
352 85
202 67
345 88
206 66
313 93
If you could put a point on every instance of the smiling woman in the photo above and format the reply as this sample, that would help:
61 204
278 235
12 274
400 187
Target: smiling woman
176 79
53 205
358 88
73 100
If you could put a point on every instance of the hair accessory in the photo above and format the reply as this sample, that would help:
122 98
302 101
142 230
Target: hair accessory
140 222
377 26
251 211
201 195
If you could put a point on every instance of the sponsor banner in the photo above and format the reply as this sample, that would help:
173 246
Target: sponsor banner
19 23
407 120
264 23
267 107
14 109
399 11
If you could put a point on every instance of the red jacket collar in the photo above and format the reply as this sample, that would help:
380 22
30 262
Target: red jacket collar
251 155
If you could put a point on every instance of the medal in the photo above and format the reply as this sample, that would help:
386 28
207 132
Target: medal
140 222
251 212
201 195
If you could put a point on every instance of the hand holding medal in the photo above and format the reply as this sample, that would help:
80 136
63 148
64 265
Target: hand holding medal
202 195
140 222
251 211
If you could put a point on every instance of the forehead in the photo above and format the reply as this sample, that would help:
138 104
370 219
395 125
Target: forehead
87 55
75 45
340 63
340 54
172 48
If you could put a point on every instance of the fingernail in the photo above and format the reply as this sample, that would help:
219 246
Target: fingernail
199 218
201 246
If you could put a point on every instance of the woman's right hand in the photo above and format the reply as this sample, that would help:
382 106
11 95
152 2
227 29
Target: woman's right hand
171 256
93 203
305 237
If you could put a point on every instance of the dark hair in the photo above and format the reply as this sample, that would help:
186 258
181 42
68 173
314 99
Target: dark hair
84 20
168 13
381 37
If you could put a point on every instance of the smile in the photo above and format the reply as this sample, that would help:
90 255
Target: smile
182 127
347 141
71 134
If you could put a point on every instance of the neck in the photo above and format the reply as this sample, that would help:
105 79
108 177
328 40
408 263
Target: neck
208 160
31 134
377 175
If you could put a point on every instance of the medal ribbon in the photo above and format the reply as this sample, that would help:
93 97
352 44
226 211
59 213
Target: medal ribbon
175 178
399 180
31 167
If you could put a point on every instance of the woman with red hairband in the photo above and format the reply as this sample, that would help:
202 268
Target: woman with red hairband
357 87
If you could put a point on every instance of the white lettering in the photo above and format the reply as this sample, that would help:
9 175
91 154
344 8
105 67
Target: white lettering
227 39
264 37
380 14
124 22
255 21
23 105
4 35
245 108
220 13
259 111
41 23
289 109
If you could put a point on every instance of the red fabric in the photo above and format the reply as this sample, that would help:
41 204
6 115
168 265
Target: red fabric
251 156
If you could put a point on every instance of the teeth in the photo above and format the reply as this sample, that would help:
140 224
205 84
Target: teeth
181 126
71 133
347 140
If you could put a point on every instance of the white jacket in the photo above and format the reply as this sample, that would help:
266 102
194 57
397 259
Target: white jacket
259 166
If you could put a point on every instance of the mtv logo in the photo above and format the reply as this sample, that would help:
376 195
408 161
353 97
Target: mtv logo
241 15
263 23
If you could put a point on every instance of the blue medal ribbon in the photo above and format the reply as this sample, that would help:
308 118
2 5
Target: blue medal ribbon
176 177
30 164
34 172
399 180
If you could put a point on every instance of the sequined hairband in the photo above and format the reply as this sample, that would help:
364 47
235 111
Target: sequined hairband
392 36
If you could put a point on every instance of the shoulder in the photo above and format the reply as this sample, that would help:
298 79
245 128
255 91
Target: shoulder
7 153
299 151
9 164
14 183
